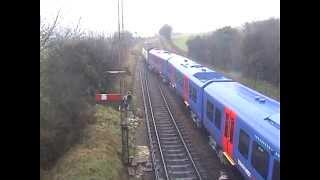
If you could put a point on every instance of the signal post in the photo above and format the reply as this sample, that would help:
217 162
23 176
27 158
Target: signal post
124 100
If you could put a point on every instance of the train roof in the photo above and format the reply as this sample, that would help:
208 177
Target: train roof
165 55
256 110
199 74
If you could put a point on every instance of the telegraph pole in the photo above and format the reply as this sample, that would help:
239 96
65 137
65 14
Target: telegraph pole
123 112
119 33
122 15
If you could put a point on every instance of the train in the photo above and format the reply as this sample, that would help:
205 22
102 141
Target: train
243 125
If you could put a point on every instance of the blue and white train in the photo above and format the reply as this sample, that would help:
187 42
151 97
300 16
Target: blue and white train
243 125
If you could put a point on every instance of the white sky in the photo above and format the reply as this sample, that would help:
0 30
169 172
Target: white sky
147 16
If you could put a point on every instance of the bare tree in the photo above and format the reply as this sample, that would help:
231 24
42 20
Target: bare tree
74 32
46 31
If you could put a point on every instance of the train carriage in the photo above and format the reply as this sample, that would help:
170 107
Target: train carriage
189 80
145 50
243 125
244 128
157 60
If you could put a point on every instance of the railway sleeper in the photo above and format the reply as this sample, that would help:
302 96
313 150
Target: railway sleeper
159 107
187 178
169 135
182 175
176 155
187 166
173 142
171 138
168 151
165 127
164 122
177 160
169 131
173 146
183 172
161 115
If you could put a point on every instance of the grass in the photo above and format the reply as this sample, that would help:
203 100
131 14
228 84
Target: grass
98 156
181 41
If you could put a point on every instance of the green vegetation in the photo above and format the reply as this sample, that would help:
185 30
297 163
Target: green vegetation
72 68
98 156
250 55
181 41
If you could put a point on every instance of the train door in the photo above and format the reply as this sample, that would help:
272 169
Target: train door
185 89
230 117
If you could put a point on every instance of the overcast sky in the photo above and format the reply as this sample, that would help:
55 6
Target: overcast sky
146 16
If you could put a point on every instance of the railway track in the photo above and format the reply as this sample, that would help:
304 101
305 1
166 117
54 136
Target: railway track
170 153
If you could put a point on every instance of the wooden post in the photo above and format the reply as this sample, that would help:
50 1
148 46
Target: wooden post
124 128
123 117
125 138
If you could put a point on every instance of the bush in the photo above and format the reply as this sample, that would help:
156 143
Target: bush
253 50
71 69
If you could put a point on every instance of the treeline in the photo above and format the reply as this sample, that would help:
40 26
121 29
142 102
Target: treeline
252 50
72 68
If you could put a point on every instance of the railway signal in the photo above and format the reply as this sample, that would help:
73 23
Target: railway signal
106 98
124 101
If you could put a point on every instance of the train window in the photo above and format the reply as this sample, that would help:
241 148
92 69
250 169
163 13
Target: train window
210 110
217 118
193 94
244 141
276 170
260 159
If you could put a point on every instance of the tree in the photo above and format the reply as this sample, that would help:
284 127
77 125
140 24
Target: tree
46 31
72 67
166 31
261 49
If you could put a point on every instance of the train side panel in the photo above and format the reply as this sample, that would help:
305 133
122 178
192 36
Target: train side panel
243 160
212 119
179 82
249 146
171 74
165 70
243 145
155 62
